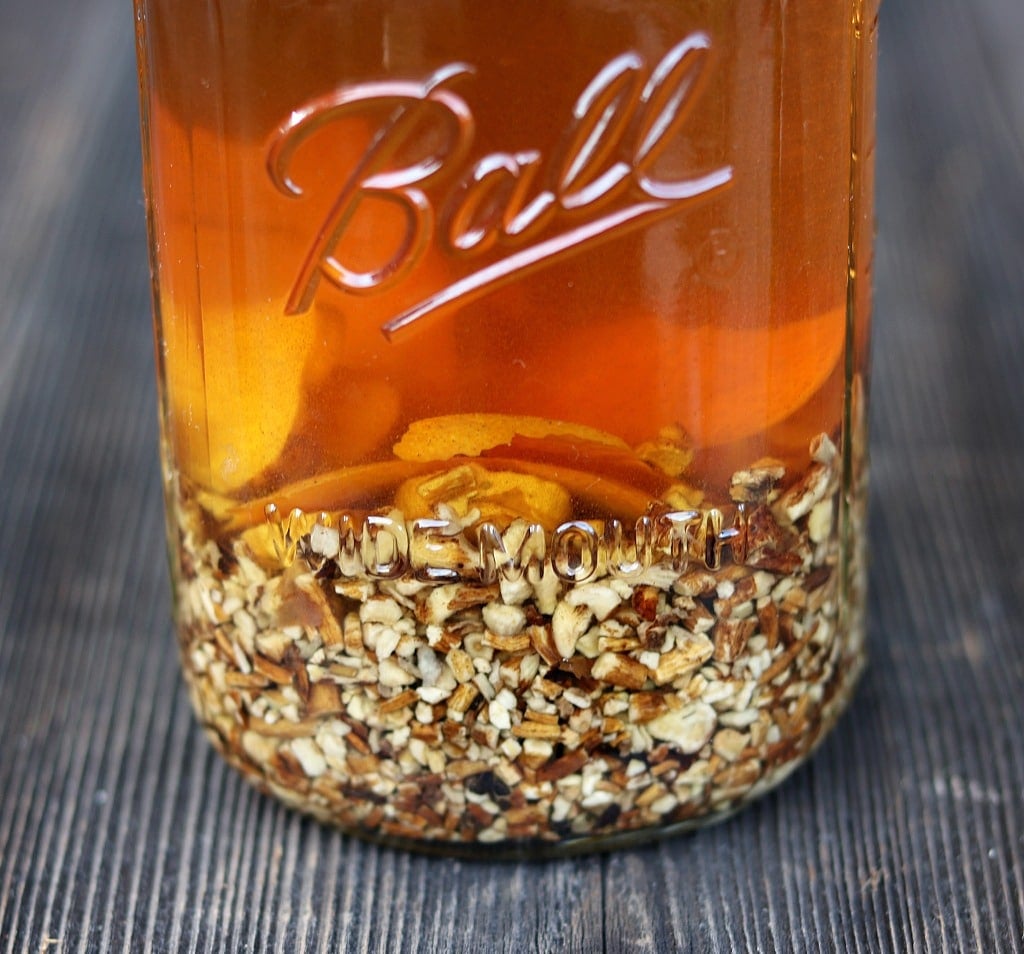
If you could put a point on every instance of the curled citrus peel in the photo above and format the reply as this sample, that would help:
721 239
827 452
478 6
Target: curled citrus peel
722 382
232 390
469 435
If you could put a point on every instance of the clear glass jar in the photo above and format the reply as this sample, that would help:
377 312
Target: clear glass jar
512 364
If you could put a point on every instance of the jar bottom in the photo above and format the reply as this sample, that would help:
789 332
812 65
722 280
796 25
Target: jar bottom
538 849
526 717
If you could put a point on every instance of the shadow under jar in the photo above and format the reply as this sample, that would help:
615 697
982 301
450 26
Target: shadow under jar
512 369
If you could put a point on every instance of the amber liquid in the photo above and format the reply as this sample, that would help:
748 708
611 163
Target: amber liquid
511 360
723 321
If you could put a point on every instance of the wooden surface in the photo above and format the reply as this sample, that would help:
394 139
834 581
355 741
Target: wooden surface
121 830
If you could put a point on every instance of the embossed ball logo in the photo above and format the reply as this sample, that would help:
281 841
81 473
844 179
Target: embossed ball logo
599 183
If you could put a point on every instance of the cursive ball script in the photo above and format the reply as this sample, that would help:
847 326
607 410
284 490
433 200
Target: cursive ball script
600 183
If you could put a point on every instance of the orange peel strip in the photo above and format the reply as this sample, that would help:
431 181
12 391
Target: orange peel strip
453 435
365 485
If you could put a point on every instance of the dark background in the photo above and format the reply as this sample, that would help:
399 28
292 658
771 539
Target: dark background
121 830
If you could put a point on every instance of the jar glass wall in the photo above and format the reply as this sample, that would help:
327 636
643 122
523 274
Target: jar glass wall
512 365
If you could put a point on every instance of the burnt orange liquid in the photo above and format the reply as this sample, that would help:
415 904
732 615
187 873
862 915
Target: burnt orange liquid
722 317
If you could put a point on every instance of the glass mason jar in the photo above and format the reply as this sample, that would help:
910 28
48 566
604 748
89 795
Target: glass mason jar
512 371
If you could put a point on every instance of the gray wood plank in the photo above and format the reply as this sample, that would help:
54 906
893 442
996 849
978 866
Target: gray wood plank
120 830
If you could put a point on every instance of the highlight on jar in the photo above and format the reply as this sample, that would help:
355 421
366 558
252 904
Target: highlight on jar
513 424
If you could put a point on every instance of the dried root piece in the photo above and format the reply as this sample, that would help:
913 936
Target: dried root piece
756 482
671 451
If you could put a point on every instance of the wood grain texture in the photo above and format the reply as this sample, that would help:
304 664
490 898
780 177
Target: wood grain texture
120 830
